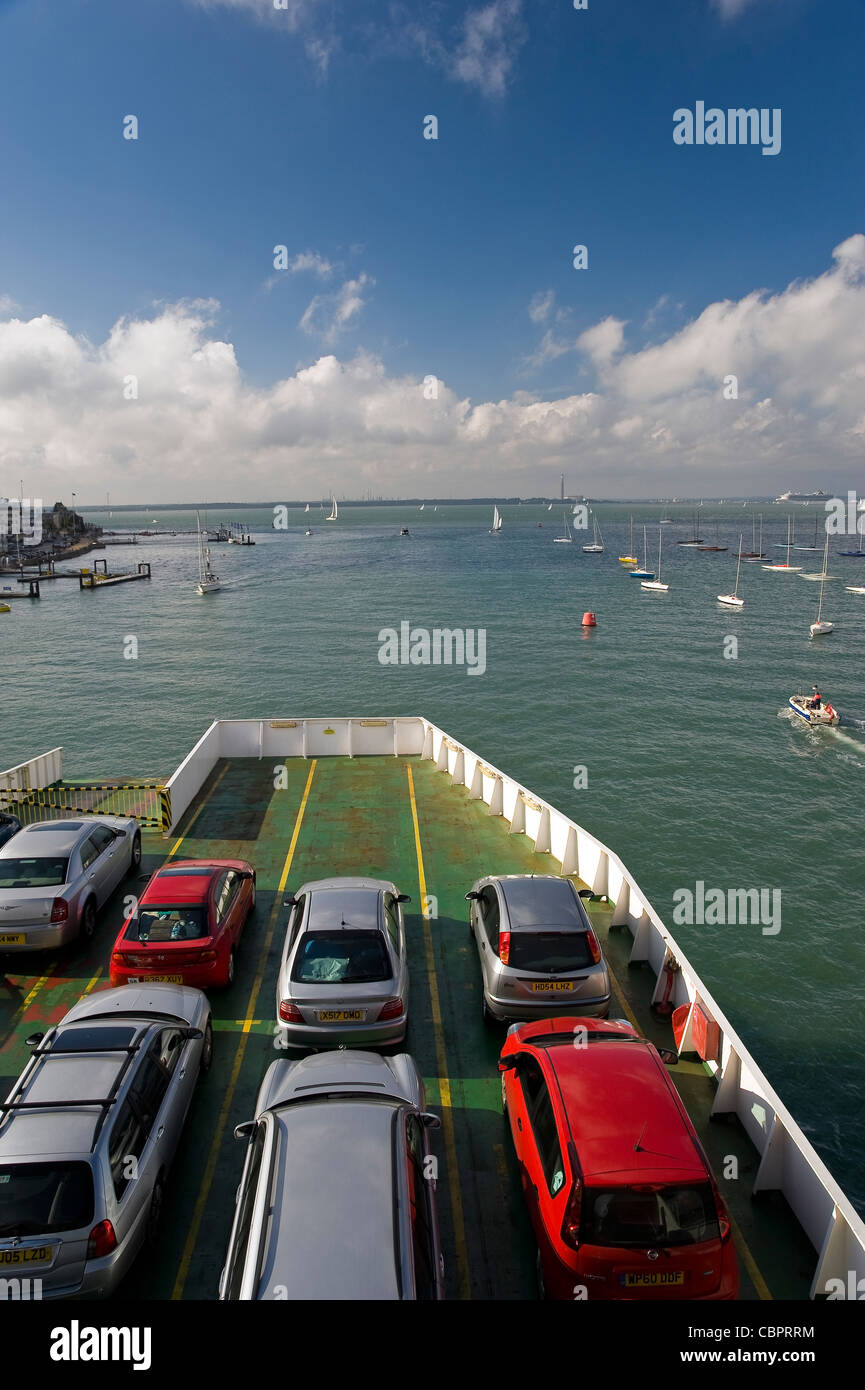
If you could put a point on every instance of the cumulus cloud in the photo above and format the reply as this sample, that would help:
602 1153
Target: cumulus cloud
656 421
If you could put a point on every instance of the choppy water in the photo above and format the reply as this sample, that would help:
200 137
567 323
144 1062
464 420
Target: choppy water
694 770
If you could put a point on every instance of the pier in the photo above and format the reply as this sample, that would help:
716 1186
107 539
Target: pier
100 578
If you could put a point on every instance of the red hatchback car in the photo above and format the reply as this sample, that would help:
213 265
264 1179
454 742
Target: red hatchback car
620 1193
187 924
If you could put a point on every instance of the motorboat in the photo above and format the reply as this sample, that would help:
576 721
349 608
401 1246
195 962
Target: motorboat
801 705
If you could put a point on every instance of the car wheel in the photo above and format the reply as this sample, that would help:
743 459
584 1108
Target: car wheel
207 1049
154 1215
135 861
229 978
539 1272
87 929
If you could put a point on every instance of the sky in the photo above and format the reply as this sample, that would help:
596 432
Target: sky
281 288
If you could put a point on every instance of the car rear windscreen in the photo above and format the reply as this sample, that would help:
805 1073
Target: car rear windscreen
341 958
549 950
161 924
33 873
649 1215
37 1199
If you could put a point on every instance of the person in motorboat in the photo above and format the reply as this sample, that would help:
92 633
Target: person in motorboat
816 699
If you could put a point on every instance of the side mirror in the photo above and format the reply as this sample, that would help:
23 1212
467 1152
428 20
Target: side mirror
186 1035
429 1121
508 1063
34 1040
585 892
668 1056
289 901
243 1131
472 897
403 898
120 834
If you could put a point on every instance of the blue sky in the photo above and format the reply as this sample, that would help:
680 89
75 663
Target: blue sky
303 127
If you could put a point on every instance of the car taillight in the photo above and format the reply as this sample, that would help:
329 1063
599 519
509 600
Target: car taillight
289 1013
504 947
101 1240
592 943
119 958
392 1009
571 1220
59 910
207 956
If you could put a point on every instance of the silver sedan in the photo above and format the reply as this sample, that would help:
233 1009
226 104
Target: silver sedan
538 951
343 978
55 875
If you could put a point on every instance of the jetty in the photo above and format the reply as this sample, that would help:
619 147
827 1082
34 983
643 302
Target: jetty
99 577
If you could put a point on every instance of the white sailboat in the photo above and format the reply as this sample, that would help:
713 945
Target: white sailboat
306 508
823 574
822 626
733 600
645 572
334 510
597 546
788 568
208 583
421 507
565 538
656 583
497 522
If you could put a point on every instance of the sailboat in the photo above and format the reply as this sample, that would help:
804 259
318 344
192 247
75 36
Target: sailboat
695 540
821 626
733 600
716 546
822 575
497 522
421 507
334 510
779 545
645 572
208 583
656 583
306 508
753 556
565 538
815 548
630 558
550 507
597 546
792 569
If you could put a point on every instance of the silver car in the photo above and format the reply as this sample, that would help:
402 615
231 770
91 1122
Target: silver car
539 955
337 1199
343 978
54 877
88 1133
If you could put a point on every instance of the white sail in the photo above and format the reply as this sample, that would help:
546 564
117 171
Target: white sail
497 521
334 510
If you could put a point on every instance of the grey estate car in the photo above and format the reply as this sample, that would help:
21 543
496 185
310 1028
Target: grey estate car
337 1199
343 978
55 875
88 1133
539 955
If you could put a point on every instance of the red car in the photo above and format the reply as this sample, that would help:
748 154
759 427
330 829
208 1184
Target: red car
187 924
620 1193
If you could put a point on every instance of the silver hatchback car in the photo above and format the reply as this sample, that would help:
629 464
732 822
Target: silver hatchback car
539 955
55 875
337 1199
343 978
88 1133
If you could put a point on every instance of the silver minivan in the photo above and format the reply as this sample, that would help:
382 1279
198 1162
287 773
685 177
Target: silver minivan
337 1199
88 1132
538 951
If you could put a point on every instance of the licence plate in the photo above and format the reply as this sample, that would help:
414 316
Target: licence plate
155 980
553 987
652 1280
32 1257
10 939
340 1015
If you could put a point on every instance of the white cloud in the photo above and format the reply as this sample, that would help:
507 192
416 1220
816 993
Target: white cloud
541 305
329 315
311 260
731 8
655 423
7 304
485 55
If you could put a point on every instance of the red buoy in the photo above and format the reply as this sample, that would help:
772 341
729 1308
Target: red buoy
589 620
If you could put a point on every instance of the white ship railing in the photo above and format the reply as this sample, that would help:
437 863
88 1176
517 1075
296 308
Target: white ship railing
42 771
788 1162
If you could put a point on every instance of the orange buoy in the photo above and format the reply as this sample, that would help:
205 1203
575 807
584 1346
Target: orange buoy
589 620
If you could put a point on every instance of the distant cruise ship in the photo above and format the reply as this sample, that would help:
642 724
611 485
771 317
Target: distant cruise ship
818 496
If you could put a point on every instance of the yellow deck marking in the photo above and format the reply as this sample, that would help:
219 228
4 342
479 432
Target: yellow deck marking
24 1006
96 978
204 1191
177 843
750 1263
441 1060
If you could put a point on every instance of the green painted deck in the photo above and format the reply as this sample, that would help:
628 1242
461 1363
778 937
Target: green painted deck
337 816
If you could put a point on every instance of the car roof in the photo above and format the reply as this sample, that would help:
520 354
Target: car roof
333 1171
351 906
180 883
639 1128
46 840
541 901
